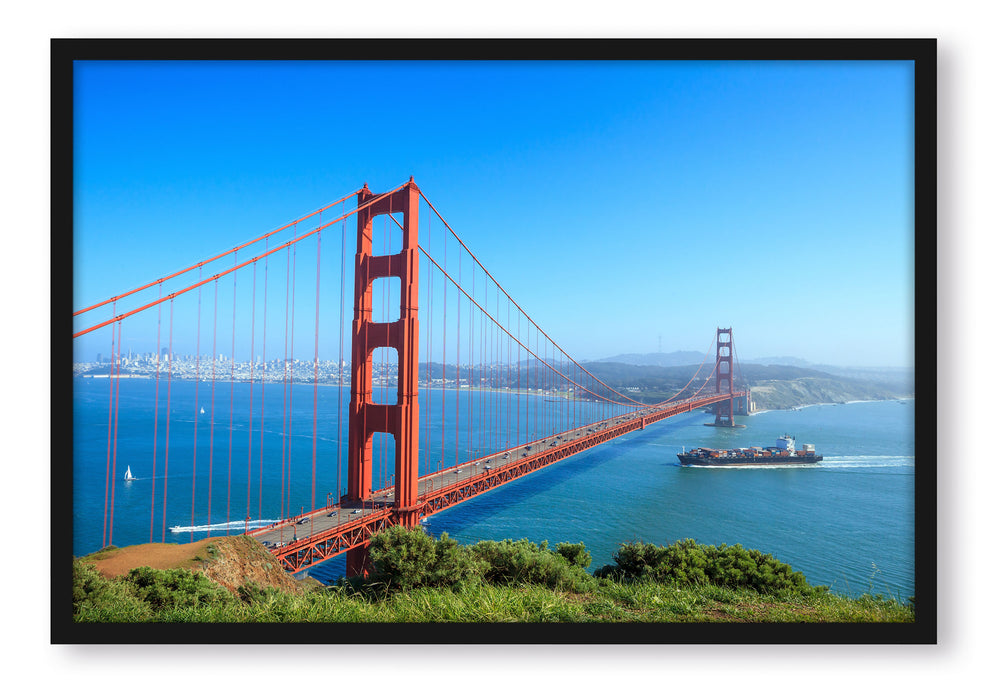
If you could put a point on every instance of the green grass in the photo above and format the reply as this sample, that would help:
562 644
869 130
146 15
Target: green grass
609 601
421 580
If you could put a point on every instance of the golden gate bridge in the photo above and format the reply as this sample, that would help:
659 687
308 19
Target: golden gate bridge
520 402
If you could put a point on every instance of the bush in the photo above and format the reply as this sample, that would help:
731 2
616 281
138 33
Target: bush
171 588
407 559
518 562
98 598
574 553
688 563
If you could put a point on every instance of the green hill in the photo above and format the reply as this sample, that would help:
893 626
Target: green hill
420 579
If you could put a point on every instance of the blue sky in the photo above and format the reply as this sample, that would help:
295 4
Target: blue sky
616 201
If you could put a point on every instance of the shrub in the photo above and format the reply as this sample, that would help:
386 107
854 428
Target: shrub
518 562
574 553
98 598
688 563
407 559
171 588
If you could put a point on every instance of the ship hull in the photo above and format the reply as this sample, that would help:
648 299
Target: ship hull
773 460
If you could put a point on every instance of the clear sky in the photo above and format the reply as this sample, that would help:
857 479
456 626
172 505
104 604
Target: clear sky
616 201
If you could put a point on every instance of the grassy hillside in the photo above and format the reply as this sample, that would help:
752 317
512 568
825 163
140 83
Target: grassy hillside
419 579
790 393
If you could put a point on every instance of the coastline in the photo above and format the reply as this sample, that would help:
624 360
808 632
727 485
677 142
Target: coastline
536 393
539 393
829 403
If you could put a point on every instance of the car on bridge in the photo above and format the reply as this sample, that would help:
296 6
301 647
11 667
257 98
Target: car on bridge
302 522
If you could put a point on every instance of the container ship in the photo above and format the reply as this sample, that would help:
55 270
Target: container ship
782 453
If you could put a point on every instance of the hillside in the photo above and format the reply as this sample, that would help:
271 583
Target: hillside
420 579
230 562
773 386
790 393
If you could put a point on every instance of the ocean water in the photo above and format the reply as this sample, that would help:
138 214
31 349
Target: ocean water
847 522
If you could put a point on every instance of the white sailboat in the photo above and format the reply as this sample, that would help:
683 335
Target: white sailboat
202 410
127 475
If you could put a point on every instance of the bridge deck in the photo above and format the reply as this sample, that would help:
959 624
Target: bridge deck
313 537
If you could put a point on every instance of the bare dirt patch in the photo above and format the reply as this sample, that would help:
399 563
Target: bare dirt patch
119 562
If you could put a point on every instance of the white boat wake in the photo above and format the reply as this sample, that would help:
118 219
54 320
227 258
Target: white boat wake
232 525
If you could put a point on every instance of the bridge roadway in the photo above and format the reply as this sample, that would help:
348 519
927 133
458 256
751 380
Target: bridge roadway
310 538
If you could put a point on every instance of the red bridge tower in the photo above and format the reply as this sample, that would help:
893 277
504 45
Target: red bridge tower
401 419
723 378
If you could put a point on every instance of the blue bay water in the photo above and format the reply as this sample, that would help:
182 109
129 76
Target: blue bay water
847 523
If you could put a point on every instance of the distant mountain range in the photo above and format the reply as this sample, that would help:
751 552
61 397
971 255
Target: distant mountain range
658 359
691 357
777 382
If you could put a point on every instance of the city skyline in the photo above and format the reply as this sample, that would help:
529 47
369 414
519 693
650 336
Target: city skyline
615 202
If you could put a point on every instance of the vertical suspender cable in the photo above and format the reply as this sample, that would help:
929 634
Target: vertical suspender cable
168 412
497 338
508 376
457 388
506 399
540 407
492 407
285 382
340 364
264 369
154 447
443 390
486 381
251 360
213 396
511 397
316 373
199 312
496 356
472 451
292 368
106 492
116 408
429 356
572 390
230 429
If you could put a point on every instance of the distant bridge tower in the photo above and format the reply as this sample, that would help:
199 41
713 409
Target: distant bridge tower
723 378
401 419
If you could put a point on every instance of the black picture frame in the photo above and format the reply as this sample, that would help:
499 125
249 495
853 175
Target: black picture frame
920 51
